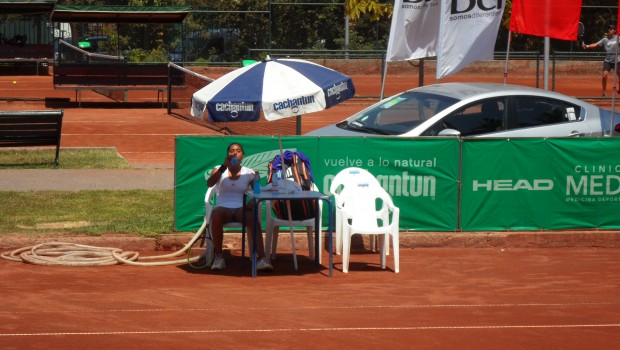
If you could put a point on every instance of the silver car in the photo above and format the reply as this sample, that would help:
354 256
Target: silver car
476 110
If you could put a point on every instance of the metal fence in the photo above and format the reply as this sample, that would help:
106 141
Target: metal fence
215 31
224 32
33 28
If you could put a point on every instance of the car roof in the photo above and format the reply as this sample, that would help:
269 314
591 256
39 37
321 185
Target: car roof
464 91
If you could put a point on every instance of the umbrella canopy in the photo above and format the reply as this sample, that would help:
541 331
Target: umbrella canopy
280 87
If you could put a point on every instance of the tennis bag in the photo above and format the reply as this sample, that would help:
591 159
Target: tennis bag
299 170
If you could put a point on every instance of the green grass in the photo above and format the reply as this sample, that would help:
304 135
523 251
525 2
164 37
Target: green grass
143 212
72 158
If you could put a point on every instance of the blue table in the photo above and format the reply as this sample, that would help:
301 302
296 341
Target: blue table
311 195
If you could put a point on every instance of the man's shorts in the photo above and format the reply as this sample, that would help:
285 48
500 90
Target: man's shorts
608 66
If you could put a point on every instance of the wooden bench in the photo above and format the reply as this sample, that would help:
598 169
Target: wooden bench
31 128
116 76
14 57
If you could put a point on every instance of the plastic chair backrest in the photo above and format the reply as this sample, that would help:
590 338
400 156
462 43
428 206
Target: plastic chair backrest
210 202
366 205
351 176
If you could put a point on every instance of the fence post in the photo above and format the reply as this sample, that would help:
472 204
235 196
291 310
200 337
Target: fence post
553 72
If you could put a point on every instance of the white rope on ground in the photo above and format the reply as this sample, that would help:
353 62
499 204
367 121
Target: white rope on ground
72 254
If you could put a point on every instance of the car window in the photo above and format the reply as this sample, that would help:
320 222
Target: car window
399 114
535 111
478 118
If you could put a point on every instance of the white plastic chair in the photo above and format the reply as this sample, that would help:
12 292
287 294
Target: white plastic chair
361 216
348 177
205 229
274 223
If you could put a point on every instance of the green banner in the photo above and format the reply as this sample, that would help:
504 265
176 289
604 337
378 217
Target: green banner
507 184
421 174
534 184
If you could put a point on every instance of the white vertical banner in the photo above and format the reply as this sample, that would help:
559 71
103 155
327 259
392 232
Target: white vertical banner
414 30
467 33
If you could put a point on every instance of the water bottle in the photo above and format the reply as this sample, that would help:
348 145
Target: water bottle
234 161
256 183
275 182
283 187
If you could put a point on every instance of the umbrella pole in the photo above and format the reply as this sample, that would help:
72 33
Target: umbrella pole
281 148
288 202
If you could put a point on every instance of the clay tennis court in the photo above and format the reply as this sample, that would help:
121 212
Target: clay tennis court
512 294
443 298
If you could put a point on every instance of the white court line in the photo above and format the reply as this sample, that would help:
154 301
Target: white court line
326 329
353 307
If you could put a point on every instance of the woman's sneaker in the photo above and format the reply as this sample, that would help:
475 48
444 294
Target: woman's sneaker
218 262
263 265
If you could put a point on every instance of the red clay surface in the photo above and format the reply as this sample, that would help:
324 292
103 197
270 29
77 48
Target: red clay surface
443 298
483 298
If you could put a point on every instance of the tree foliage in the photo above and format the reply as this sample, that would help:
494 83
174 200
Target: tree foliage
376 9
294 24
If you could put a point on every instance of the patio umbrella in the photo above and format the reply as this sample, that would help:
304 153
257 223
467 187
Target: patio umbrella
279 87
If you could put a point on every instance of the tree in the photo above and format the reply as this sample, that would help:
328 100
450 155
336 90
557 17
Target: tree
355 9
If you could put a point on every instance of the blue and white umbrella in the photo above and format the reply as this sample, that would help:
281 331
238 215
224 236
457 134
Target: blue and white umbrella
280 87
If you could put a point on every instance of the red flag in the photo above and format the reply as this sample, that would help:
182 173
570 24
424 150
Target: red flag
557 19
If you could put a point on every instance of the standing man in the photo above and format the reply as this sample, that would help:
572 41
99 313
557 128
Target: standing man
610 44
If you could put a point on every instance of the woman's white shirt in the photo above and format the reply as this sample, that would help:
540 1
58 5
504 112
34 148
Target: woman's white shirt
230 192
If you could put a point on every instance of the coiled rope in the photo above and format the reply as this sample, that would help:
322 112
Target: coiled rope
72 254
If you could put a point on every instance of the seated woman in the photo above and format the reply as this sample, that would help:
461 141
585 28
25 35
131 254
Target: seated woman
233 180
